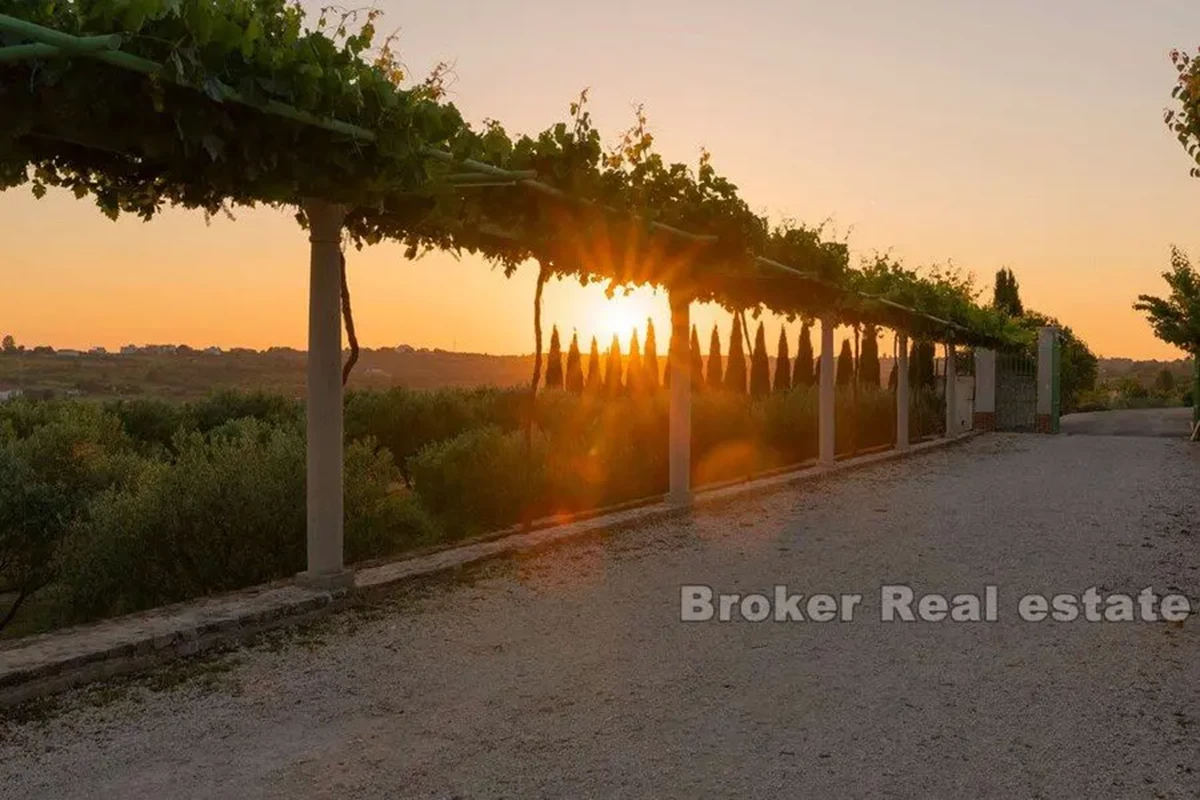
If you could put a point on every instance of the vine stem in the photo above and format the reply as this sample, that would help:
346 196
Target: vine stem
348 318
854 393
531 406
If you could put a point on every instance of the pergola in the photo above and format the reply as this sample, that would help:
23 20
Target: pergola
176 130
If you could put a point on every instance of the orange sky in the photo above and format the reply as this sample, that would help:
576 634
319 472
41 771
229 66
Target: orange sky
1025 134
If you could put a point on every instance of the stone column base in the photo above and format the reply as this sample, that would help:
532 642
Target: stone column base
984 421
329 581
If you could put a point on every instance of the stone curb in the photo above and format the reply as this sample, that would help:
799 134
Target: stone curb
52 662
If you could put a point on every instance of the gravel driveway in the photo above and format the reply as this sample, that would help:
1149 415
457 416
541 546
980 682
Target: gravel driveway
569 674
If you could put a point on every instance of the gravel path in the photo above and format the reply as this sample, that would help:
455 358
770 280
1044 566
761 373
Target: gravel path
568 673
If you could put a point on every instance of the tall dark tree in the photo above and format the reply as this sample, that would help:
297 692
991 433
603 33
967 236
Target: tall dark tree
612 369
650 359
868 359
595 381
804 375
921 372
574 379
1006 295
893 377
716 370
783 364
554 366
760 365
735 369
635 380
845 365
697 362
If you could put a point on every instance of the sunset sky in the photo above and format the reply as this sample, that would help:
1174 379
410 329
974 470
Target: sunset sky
1026 134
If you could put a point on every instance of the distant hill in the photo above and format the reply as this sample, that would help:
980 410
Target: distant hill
164 372
1145 371
194 373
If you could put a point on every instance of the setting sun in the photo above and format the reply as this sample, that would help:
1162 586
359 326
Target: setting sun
621 315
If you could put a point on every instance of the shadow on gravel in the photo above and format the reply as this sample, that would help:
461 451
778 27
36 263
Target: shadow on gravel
1172 423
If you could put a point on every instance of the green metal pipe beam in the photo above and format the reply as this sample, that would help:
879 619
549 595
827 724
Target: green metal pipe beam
550 191
81 46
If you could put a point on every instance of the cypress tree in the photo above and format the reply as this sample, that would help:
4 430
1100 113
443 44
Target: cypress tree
635 381
574 379
920 365
697 362
554 367
594 380
783 364
735 370
715 370
845 365
893 378
760 366
1007 294
804 375
650 360
868 359
612 369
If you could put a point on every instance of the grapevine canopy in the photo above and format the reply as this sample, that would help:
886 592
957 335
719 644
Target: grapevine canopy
211 103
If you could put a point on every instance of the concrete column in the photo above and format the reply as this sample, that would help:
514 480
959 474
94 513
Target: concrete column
1045 380
679 362
985 390
902 391
825 416
951 393
324 402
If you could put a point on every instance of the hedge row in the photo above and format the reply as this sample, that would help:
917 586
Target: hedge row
107 509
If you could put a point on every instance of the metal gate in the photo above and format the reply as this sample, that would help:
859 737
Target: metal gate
1016 392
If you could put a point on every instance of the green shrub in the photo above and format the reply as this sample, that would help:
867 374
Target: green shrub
149 421
876 417
480 479
52 464
380 521
787 425
231 404
926 412
404 420
227 512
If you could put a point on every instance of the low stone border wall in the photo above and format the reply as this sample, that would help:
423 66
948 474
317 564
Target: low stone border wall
55 661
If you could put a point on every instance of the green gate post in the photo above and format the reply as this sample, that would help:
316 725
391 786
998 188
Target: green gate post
1047 381
1195 396
1056 386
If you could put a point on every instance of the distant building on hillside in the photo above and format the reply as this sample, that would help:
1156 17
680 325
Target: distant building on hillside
405 348
97 351
129 350
10 393
213 351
